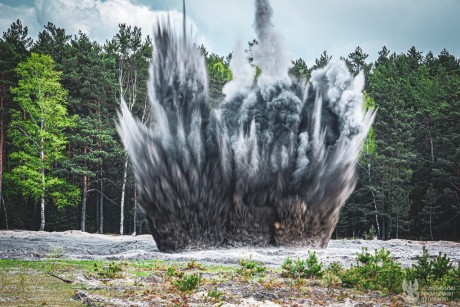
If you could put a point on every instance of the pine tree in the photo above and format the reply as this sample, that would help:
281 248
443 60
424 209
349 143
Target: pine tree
323 60
356 61
92 138
430 209
394 128
56 43
14 47
131 54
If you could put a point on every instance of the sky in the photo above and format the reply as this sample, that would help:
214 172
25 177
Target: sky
308 26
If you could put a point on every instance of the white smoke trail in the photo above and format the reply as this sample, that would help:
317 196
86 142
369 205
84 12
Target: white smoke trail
270 55
242 72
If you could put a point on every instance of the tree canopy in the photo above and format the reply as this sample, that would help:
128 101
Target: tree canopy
59 148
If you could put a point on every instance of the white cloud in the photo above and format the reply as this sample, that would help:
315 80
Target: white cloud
338 26
9 14
308 26
99 19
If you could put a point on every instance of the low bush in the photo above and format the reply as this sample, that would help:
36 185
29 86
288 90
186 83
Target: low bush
335 268
213 295
173 271
112 271
250 268
374 272
188 282
436 275
309 268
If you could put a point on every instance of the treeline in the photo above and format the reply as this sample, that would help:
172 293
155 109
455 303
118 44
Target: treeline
60 150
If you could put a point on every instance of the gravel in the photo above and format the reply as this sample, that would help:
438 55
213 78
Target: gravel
32 245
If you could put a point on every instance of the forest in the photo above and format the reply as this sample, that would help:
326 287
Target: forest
63 167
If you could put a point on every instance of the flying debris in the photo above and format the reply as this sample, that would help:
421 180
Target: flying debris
273 165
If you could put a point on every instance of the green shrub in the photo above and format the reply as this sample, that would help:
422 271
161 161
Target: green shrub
250 268
330 279
427 271
214 295
438 273
374 272
335 268
113 270
440 266
364 257
422 269
299 268
191 265
173 271
389 277
452 281
370 234
188 282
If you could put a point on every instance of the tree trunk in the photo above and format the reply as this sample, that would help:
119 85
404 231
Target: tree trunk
382 231
100 225
431 229
2 141
97 213
101 209
4 208
83 203
42 202
431 141
123 192
42 170
135 210
85 196
373 200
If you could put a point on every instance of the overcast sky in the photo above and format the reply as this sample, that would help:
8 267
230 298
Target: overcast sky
308 26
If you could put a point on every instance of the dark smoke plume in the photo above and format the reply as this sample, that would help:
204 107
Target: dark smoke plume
273 165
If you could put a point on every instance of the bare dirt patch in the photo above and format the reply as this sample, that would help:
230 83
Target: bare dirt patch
32 245
151 283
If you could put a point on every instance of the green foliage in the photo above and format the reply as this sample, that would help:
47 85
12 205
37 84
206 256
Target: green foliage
408 168
173 271
356 61
309 268
300 70
374 272
188 282
335 268
219 73
422 270
112 271
440 266
323 60
193 265
37 132
452 281
427 270
369 146
437 273
330 279
370 234
214 295
250 267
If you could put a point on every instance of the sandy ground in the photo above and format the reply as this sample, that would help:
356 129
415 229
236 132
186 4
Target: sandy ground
32 245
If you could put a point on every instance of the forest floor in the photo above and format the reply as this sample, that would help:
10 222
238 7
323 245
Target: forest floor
73 268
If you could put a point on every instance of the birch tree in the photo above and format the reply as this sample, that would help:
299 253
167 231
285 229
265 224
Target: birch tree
37 131
132 55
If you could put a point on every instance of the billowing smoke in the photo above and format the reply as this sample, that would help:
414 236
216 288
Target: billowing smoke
272 165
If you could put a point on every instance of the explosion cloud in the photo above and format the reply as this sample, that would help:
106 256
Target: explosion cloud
273 165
